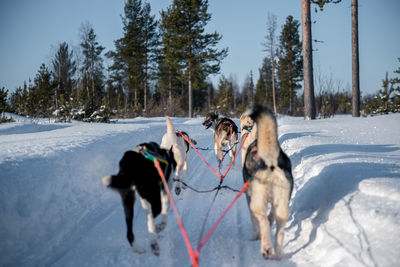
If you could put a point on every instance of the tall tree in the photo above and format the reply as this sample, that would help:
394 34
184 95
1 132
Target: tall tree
355 60
92 63
309 99
64 67
225 95
3 101
194 49
264 92
135 52
290 67
40 94
151 46
271 49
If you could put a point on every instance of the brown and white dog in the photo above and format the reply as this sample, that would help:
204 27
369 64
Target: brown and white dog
225 134
268 170
181 148
137 175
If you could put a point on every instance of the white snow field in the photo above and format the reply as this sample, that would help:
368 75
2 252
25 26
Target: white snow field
55 211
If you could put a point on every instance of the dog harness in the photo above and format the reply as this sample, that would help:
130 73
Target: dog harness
180 133
248 128
149 154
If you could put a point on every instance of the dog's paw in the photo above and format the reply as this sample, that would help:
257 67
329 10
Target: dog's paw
155 248
161 226
177 190
268 253
137 248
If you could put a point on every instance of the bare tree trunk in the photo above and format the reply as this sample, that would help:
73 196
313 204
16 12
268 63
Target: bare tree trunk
145 86
170 87
309 100
355 60
273 84
190 91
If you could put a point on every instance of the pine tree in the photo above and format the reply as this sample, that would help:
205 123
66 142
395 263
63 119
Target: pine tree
151 46
92 68
39 100
270 48
135 54
3 100
64 67
264 86
290 68
225 95
188 49
387 99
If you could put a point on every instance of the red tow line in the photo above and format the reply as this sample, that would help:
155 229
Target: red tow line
209 166
193 257
194 254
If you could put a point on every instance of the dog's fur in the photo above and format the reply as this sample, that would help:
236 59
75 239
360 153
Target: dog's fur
173 139
268 170
225 134
138 174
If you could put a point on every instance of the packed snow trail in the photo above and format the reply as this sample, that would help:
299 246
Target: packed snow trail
56 212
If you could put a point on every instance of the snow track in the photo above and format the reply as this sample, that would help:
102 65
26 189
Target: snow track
56 212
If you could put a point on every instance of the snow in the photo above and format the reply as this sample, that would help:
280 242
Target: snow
55 210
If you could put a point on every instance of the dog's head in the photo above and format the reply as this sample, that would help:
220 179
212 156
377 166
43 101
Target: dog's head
246 123
209 119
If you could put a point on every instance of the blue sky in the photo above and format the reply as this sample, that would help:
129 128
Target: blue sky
30 31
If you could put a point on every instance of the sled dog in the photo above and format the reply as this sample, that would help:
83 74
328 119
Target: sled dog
225 134
249 128
268 170
137 174
181 147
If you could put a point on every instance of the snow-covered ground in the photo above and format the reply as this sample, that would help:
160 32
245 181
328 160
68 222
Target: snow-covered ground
55 211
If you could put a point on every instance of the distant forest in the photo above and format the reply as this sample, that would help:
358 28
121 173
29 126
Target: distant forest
161 67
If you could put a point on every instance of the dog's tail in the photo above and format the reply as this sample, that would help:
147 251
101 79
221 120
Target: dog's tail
171 130
267 135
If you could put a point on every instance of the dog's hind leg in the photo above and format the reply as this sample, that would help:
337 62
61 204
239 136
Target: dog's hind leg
232 151
164 212
259 207
150 227
282 215
185 171
128 201
254 221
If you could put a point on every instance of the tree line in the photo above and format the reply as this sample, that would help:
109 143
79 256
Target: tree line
162 67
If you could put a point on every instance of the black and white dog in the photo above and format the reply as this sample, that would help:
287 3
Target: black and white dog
137 174
269 173
225 134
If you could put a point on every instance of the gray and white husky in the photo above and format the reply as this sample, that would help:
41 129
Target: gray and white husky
268 170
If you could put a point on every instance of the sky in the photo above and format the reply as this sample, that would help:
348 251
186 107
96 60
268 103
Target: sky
31 30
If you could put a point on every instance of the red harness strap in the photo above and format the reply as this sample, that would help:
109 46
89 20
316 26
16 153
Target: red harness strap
230 124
